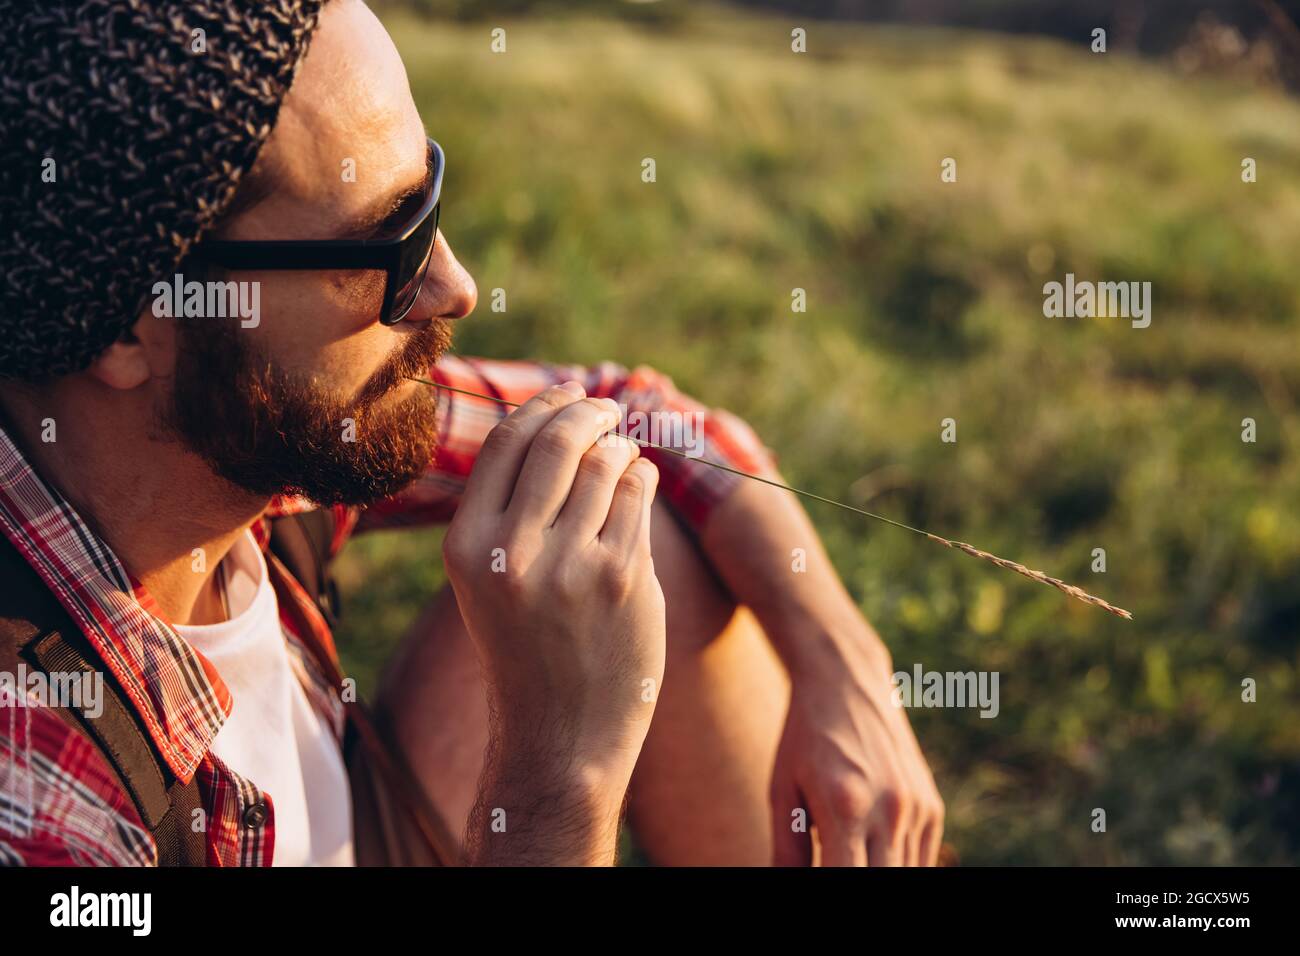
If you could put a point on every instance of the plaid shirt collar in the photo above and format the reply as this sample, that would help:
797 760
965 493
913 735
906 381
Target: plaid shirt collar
176 691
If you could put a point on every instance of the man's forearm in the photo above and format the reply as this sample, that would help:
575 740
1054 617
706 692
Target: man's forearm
763 546
531 813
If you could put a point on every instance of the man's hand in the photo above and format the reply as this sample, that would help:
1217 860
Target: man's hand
848 757
549 557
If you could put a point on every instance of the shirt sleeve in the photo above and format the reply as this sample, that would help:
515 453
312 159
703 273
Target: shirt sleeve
59 803
653 411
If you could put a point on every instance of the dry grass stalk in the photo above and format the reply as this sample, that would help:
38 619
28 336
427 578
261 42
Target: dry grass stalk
1077 593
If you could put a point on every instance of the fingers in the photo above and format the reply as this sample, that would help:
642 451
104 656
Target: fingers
860 821
842 817
912 846
892 824
497 469
627 527
931 839
903 833
862 825
552 461
587 506
843 844
930 827
878 852
791 826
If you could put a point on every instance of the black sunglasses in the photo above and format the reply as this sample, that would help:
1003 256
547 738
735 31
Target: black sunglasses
405 256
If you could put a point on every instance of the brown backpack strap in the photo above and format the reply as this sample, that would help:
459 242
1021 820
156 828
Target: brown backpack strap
35 629
302 542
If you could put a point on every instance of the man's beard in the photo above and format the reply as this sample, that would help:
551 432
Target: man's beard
271 432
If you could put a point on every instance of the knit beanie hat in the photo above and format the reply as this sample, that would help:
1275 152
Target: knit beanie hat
125 128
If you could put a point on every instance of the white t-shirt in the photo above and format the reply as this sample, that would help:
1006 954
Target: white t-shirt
273 737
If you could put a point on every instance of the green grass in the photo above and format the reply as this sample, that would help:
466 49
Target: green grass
821 171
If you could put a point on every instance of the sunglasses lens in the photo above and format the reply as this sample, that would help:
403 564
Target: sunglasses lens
416 253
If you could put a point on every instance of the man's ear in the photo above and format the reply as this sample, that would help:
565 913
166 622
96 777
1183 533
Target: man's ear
145 351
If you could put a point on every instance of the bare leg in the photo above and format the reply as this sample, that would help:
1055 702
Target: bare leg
699 795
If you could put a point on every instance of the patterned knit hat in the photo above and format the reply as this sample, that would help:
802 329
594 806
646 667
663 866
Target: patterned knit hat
125 127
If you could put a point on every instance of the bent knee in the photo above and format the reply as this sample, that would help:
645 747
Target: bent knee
698 606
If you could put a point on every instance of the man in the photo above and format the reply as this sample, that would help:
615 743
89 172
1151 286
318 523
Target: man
597 648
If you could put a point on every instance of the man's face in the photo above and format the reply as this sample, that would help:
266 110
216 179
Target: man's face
314 399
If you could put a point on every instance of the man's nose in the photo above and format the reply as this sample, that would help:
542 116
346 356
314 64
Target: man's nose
448 291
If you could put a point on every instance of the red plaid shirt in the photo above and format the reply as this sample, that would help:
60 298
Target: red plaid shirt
59 802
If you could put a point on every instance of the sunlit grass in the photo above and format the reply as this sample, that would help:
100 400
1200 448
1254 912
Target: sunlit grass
821 172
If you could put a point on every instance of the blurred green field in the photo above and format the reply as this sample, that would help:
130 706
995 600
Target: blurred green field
821 171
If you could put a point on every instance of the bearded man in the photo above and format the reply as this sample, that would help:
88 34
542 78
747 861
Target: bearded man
172 487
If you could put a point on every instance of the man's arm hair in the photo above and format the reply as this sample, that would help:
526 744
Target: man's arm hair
540 805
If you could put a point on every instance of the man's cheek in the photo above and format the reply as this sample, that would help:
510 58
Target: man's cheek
352 297
348 368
